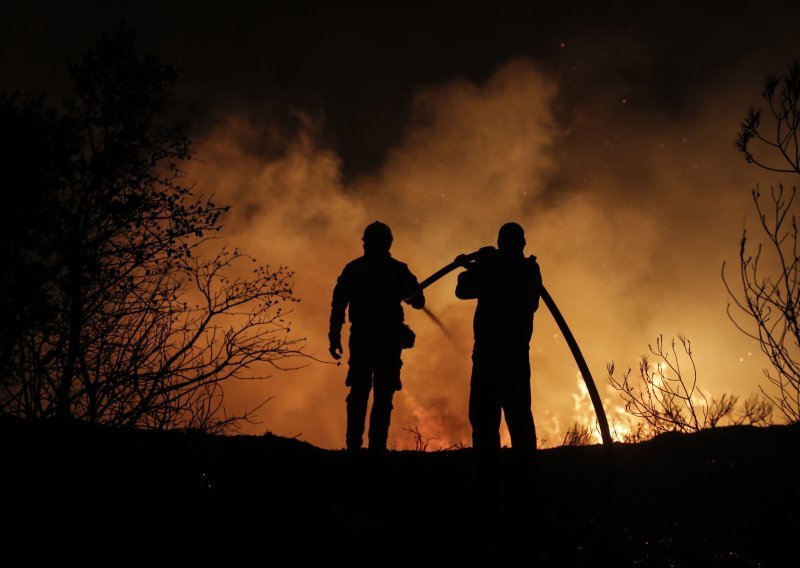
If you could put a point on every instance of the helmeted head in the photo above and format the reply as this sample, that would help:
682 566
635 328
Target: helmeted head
377 238
511 238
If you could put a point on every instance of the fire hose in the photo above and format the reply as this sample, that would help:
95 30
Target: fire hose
594 395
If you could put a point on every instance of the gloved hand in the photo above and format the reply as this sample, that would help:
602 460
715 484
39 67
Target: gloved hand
335 348
466 260
416 301
462 260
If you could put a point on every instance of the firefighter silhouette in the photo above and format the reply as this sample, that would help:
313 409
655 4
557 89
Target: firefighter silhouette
507 286
373 287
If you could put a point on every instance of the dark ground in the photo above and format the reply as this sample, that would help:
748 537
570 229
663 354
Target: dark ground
723 497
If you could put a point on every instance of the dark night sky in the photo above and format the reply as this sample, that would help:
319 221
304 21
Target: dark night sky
356 65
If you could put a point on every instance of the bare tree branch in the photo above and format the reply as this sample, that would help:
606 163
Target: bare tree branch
767 293
665 398
124 321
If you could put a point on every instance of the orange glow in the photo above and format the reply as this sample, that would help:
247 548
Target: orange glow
629 215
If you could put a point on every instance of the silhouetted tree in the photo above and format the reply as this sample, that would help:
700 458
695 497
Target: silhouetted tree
578 435
634 433
109 313
755 410
421 442
666 396
768 291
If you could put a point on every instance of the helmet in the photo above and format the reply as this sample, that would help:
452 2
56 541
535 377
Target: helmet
511 237
377 237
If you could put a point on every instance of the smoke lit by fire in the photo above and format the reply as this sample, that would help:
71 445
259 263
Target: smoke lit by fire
629 212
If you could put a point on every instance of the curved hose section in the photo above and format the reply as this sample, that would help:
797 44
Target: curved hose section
605 433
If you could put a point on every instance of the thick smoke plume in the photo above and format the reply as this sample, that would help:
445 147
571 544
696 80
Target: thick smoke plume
629 212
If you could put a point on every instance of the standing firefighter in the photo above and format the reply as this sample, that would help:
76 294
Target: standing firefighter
373 286
507 286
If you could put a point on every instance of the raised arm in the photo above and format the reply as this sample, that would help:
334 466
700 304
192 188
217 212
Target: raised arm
468 286
411 291
471 280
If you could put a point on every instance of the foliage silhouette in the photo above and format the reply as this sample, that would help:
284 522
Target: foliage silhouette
666 397
578 435
110 313
421 442
768 288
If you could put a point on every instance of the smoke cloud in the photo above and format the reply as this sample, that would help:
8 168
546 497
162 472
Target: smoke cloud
629 211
